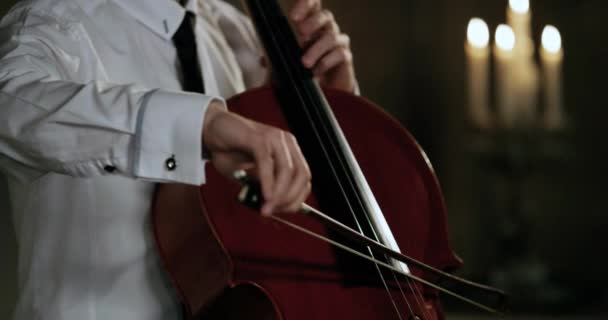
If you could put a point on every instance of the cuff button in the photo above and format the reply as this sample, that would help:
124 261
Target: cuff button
171 163
109 169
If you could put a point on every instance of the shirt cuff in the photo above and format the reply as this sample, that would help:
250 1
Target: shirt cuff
168 144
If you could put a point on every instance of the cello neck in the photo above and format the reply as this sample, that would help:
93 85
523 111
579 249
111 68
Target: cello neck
279 41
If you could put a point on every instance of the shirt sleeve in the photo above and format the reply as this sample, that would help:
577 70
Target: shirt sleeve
53 120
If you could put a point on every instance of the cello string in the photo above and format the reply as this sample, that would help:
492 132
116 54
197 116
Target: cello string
320 121
402 292
315 130
320 107
324 126
386 265
292 68
306 209
418 295
421 294
250 197
389 292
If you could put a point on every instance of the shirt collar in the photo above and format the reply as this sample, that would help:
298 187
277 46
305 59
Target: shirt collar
161 16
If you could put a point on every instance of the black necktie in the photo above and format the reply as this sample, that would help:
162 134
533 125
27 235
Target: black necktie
185 43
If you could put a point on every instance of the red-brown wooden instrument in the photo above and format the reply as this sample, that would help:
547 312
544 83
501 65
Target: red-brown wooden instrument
227 262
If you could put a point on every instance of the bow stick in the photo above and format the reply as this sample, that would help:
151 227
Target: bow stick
250 195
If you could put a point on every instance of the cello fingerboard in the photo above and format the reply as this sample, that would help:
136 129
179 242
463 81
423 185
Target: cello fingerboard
338 183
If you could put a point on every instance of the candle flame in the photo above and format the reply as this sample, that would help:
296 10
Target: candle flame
520 6
505 38
478 33
551 39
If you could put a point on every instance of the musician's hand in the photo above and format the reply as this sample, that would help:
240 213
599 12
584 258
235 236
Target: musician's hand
327 50
274 156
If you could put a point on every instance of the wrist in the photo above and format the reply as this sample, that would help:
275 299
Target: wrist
214 109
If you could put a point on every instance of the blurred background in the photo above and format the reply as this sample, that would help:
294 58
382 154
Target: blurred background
526 201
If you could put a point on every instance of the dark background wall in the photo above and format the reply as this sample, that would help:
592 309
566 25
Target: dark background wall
410 60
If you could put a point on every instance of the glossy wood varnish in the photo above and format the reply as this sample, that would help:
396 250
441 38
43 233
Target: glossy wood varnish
227 262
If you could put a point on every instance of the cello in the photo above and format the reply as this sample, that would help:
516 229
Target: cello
381 250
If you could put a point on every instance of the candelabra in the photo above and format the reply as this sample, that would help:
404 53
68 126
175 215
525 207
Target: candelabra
507 164
513 142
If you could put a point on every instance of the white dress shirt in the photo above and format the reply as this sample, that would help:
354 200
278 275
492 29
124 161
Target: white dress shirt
90 113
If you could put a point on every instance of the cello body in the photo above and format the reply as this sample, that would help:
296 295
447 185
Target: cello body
227 262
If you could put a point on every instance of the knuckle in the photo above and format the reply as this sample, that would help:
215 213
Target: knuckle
300 177
292 138
329 16
285 138
324 64
305 174
320 18
297 172
337 38
306 190
345 40
347 55
335 27
333 34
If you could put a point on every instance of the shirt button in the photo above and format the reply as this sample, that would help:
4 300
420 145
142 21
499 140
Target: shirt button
109 169
171 164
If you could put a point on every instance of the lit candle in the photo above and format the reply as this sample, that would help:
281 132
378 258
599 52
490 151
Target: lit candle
525 82
525 71
518 17
504 57
552 56
478 57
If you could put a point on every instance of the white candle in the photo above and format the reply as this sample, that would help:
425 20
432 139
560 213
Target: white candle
478 57
518 17
552 56
525 79
505 90
525 71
